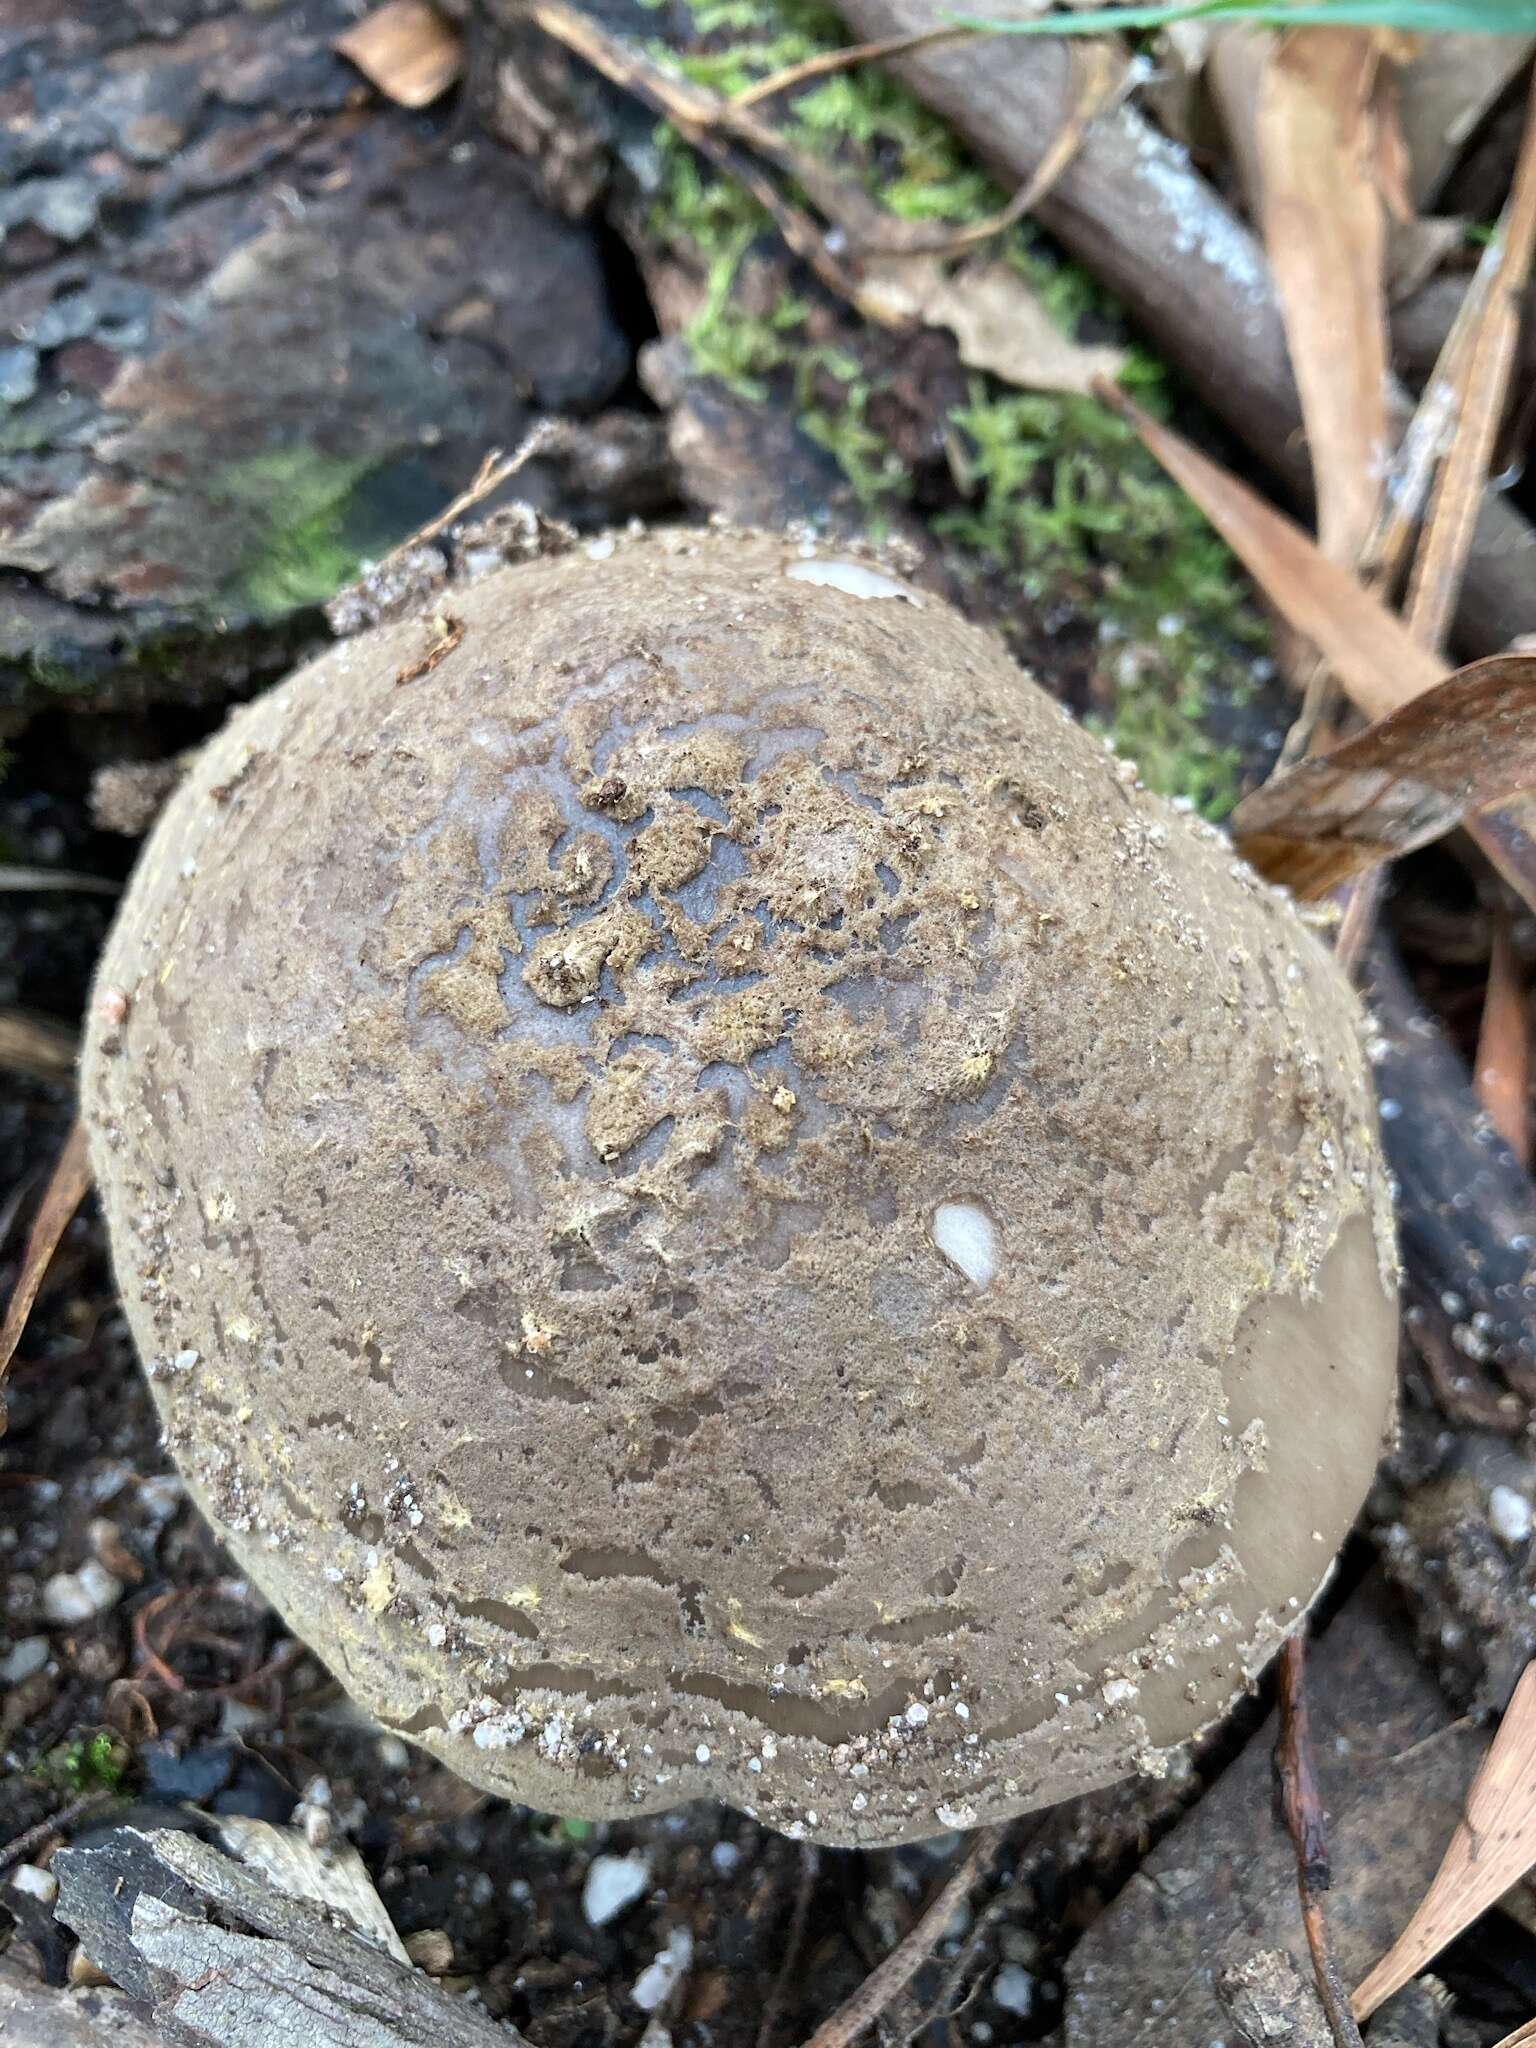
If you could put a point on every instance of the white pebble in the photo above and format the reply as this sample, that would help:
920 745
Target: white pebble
35 1883
1119 1692
613 1883
23 1659
81 1595
917 1715
658 1980
1509 1515
1013 1988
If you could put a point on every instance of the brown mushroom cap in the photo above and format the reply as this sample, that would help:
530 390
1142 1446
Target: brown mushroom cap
718 1203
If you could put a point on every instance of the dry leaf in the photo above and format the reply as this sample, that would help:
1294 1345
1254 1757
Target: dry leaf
998 321
1318 148
1522 2037
65 1192
407 50
1406 780
1376 658
1492 1848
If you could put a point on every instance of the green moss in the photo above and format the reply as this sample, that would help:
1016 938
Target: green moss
97 1762
298 503
1058 493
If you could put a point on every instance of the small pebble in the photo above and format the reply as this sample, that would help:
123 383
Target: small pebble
392 1753
23 1659
1013 1988
431 1949
1509 1515
613 1883
81 1595
35 1883
658 1980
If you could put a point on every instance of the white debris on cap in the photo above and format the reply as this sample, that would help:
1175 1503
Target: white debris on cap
659 1979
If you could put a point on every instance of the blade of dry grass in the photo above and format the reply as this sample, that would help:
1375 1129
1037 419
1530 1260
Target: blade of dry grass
61 1198
1402 782
1522 2037
1325 234
1492 1848
1501 1073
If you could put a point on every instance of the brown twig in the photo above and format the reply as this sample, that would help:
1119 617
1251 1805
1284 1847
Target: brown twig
63 1195
1502 1069
773 2006
1303 1802
892 1976
825 62
21 1846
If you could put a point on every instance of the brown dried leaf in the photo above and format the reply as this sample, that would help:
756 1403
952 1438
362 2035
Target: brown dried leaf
1406 780
1492 1848
1522 2037
1379 662
1318 147
65 1192
997 319
407 50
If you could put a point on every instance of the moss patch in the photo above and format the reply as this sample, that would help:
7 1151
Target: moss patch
1053 494
303 547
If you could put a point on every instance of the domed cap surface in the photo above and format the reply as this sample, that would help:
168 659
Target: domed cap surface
718 1204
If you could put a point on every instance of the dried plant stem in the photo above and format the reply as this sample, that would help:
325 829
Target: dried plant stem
892 1976
61 1198
810 1868
1303 1803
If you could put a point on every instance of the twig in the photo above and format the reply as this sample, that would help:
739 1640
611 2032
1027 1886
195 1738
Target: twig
1308 1829
63 1195
22 1845
825 62
494 470
892 1976
37 1046
810 1866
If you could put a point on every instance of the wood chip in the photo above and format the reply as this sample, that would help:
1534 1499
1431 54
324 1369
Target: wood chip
447 633
1492 1848
407 50
1403 782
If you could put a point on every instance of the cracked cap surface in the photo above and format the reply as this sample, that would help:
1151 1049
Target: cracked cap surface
718 1204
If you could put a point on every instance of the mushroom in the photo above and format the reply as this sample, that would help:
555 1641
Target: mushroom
717 1202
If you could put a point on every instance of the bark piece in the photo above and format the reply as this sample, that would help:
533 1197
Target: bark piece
270 324
1394 1767
38 2015
224 1960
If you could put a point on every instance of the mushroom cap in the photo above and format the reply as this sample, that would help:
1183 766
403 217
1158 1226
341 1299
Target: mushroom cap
718 1203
